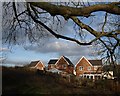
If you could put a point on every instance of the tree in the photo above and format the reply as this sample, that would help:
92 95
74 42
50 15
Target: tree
31 19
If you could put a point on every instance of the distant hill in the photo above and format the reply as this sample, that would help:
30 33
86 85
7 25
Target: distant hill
25 81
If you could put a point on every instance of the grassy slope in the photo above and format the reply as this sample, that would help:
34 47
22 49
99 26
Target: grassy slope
22 81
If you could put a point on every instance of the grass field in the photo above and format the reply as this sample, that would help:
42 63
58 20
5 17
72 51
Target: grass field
24 81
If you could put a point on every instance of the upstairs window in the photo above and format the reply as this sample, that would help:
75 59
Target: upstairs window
81 68
89 68
64 66
52 65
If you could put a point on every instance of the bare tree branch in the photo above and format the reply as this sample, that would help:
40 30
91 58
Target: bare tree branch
52 32
67 11
84 26
15 11
33 16
104 22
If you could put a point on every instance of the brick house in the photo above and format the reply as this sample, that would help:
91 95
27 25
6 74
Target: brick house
36 65
88 68
63 64
51 63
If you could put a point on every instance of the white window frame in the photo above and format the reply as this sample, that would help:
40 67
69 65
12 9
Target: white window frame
64 66
81 68
52 66
89 68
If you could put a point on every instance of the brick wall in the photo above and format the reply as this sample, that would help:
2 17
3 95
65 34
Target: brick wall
40 66
85 66
63 65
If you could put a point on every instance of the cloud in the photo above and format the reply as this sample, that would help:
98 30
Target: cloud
50 45
4 49
61 47
9 61
2 59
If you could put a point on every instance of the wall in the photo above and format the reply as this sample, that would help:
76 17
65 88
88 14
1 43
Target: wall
85 65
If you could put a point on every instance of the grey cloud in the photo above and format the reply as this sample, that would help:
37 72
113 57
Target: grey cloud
4 49
73 51
2 59
7 61
62 48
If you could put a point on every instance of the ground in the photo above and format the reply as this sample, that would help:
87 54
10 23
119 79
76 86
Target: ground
24 81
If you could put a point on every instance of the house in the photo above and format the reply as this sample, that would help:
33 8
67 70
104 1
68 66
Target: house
88 68
111 72
37 65
63 64
51 63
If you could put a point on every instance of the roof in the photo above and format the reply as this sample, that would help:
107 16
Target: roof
95 62
33 63
81 59
52 61
68 60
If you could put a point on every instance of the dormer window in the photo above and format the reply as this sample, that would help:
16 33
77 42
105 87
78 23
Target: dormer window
81 68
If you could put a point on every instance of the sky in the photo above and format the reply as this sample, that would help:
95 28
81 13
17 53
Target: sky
50 47
18 55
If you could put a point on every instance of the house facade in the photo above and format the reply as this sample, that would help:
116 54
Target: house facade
111 71
63 64
51 64
84 68
36 65
88 68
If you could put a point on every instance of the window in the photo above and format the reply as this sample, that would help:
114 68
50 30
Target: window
88 77
89 68
81 68
52 66
98 77
91 77
64 66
